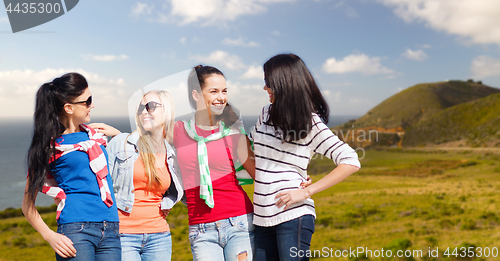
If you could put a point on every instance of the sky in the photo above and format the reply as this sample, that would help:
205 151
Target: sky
360 52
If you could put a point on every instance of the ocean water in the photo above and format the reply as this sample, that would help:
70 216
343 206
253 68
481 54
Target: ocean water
15 138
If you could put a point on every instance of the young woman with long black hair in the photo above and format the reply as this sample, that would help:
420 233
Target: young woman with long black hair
288 133
66 153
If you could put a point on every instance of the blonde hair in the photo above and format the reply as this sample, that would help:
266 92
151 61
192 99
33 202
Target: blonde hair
146 143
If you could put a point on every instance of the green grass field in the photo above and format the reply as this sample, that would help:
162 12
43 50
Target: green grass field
400 200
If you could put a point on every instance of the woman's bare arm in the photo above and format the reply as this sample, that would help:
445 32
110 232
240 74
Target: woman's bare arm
61 244
106 129
341 172
245 155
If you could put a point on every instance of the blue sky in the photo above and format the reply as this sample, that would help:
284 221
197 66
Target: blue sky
359 51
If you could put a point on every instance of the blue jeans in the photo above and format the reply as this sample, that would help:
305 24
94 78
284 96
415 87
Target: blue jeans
146 247
93 241
286 241
227 239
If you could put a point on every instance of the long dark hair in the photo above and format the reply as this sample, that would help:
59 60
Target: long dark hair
296 96
196 82
50 100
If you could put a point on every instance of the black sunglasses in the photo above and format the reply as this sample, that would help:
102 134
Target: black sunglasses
88 102
150 107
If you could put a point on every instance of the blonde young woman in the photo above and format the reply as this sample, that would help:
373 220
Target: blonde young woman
145 179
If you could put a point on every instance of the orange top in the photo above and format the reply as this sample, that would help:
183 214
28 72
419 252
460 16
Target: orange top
145 216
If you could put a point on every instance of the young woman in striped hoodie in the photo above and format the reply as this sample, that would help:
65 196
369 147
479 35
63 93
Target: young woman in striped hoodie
288 133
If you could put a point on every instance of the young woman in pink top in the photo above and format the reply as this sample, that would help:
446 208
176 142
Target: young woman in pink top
220 212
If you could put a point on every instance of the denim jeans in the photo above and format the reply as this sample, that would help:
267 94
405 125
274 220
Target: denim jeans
228 239
146 247
93 241
287 241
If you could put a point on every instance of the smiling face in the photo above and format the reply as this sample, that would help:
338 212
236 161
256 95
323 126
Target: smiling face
80 113
270 92
214 95
153 119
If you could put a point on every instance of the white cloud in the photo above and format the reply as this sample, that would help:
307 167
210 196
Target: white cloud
484 66
231 62
356 63
476 21
20 86
254 72
425 46
141 9
169 55
182 40
332 97
391 76
248 98
359 101
105 58
340 84
4 20
239 42
347 10
276 33
212 12
239 88
196 39
417 55
337 96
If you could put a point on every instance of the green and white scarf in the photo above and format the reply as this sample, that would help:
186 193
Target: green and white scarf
206 190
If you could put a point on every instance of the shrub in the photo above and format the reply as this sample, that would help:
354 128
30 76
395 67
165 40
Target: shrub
17 212
51 220
7 226
464 246
399 244
431 241
443 209
468 164
26 227
468 224
446 224
326 221
11 212
20 242
489 215
359 257
437 171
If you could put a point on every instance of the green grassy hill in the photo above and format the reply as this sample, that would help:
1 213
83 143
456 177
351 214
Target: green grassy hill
476 122
408 200
421 102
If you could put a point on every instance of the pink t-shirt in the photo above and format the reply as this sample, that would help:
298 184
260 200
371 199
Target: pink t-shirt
230 199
